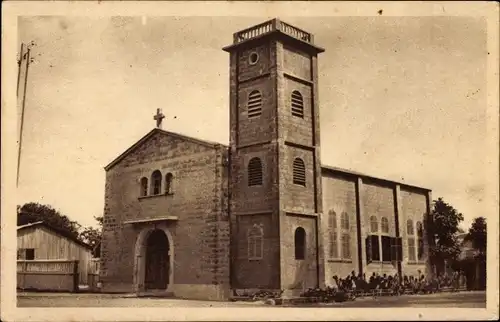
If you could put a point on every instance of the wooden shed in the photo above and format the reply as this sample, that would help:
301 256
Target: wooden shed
43 243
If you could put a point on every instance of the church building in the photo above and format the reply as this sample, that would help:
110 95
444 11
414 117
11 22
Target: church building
203 220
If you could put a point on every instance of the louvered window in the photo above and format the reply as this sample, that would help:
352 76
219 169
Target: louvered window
297 104
255 172
299 172
254 104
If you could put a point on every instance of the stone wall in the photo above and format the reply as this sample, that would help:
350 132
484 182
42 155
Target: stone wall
298 274
378 202
256 273
296 198
200 231
339 196
414 208
277 138
362 197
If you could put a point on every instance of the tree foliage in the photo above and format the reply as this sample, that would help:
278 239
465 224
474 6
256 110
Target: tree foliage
32 212
92 236
443 230
100 220
477 235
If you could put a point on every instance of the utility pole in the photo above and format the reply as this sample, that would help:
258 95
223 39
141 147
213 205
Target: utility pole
22 81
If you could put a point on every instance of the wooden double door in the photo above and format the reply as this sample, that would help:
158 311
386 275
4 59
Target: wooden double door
157 261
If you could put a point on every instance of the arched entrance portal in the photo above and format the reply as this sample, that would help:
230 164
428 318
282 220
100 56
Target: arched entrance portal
157 261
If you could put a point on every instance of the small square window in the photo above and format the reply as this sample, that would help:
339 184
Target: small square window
30 254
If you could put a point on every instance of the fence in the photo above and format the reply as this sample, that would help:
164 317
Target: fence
93 273
48 275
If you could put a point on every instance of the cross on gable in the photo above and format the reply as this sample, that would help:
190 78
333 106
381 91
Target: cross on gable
158 118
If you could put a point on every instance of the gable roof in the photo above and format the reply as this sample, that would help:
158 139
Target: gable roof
58 231
351 173
206 143
214 145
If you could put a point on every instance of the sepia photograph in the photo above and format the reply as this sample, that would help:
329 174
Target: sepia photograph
256 161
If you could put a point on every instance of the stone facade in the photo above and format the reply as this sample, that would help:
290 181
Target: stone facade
339 196
229 232
194 213
282 71
362 198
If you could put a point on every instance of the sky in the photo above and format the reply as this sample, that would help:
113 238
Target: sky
401 98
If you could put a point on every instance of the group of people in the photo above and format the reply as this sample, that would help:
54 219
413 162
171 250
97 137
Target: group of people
394 285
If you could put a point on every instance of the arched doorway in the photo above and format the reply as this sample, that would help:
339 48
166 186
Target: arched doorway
157 261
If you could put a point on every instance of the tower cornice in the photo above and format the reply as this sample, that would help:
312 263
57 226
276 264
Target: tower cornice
274 29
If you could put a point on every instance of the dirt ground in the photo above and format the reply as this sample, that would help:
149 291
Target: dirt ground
462 300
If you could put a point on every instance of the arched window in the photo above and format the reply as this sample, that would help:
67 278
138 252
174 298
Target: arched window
254 104
144 187
299 172
344 221
420 241
332 219
346 246
384 225
255 236
332 235
297 104
156 178
373 224
254 172
409 227
300 243
169 178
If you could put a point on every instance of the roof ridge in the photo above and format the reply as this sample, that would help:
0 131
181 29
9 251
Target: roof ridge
30 224
194 138
57 230
157 130
360 174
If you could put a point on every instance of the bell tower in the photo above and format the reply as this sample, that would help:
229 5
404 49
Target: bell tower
275 179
